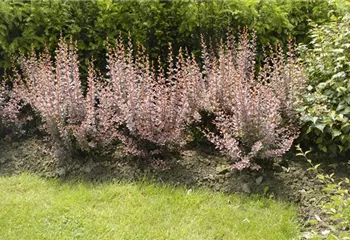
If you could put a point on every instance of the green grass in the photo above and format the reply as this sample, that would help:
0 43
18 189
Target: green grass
34 208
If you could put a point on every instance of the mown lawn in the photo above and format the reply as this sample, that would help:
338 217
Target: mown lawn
35 208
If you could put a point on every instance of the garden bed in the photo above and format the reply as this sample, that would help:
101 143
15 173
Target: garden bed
287 179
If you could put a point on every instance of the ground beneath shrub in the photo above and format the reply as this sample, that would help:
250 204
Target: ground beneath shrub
286 179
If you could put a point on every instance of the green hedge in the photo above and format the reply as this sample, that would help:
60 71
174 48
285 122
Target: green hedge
326 109
27 25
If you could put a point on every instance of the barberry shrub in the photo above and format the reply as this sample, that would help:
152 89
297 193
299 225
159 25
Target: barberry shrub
147 109
53 90
10 125
144 109
254 112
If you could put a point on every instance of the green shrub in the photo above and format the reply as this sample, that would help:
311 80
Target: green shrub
334 206
38 24
326 108
153 24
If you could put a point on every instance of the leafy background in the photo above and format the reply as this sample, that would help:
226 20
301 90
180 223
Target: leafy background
36 24
319 26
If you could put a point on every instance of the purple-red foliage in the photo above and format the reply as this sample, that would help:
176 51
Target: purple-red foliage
254 115
9 110
53 89
147 110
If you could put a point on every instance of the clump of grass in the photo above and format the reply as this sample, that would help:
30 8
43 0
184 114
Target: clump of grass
34 208
334 205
